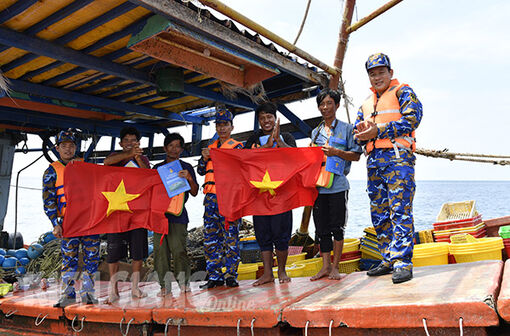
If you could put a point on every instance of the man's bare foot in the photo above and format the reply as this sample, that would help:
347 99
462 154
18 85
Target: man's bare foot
263 279
335 275
112 298
283 277
325 270
136 293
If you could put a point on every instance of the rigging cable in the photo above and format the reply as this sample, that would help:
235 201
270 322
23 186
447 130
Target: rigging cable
303 22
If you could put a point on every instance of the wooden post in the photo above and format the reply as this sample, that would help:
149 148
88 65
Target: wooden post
372 16
342 42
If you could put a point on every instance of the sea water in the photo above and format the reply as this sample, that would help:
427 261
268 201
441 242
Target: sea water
492 200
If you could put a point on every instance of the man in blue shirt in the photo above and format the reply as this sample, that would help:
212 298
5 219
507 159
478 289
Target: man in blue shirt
330 208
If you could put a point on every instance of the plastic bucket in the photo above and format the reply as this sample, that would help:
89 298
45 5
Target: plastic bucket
430 254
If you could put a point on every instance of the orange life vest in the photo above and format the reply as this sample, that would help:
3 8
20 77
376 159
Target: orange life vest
382 111
209 184
59 185
176 205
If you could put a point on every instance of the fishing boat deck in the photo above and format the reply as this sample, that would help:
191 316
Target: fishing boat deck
439 294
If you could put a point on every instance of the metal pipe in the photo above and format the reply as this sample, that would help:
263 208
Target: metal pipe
372 16
234 15
342 42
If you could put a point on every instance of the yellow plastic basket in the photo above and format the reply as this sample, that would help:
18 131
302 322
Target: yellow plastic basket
478 256
311 266
456 210
293 258
293 271
247 271
348 266
350 245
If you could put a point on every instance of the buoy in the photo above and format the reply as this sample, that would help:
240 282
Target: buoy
11 252
9 263
48 236
21 253
24 261
2 258
20 270
34 250
2 251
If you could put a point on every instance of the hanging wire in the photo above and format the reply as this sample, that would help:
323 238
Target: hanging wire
303 22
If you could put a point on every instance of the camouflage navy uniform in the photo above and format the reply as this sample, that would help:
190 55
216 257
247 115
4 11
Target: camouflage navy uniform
70 246
221 243
391 185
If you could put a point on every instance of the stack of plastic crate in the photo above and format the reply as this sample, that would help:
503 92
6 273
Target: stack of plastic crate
458 218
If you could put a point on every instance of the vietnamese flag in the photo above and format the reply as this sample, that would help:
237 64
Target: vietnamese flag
106 199
265 181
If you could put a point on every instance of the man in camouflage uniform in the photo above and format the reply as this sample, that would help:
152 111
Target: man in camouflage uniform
221 239
54 207
385 125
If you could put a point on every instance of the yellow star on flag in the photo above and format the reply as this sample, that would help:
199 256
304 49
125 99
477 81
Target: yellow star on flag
266 184
117 200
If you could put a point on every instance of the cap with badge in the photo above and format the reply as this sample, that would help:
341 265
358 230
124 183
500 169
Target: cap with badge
377 60
65 136
223 115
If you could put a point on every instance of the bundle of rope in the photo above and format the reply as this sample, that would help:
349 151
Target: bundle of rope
446 154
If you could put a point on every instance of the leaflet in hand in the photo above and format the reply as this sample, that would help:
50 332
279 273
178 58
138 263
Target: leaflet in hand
173 183
334 164
263 140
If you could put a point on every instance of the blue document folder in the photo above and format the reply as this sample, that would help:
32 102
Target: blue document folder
334 164
173 183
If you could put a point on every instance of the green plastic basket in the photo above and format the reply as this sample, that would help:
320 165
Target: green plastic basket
504 231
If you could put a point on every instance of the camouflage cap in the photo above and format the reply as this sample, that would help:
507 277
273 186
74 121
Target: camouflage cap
377 60
222 114
65 136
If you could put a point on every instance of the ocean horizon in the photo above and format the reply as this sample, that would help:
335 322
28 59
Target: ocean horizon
492 199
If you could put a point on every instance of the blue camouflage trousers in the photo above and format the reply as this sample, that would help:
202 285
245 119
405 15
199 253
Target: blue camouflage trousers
70 248
221 245
391 188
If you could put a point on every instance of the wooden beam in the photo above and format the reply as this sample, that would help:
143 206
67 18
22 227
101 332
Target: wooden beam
187 17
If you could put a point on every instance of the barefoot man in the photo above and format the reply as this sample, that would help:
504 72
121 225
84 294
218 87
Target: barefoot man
274 230
136 239
330 208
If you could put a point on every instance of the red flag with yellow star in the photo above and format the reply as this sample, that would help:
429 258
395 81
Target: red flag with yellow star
265 181
106 199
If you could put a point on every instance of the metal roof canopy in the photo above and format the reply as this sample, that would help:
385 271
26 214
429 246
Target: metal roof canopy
70 64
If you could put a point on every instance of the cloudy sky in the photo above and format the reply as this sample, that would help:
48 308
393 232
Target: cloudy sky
452 56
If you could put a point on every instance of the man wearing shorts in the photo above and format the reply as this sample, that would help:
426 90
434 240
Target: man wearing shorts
330 208
273 230
134 240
